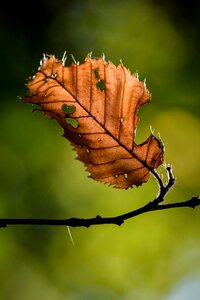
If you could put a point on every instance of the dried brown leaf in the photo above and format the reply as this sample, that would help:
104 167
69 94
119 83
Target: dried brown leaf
97 104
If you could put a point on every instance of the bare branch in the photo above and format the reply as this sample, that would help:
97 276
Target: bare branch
156 204
98 220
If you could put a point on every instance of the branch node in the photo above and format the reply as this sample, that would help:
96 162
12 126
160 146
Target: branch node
194 201
119 222
98 217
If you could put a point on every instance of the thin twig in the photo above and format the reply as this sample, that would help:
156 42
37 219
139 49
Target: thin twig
164 188
98 220
156 204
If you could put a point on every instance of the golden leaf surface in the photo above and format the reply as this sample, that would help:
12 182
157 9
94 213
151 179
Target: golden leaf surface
97 104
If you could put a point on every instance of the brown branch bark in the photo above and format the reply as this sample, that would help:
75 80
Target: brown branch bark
156 204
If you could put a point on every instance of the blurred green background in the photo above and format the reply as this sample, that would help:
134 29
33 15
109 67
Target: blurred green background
154 256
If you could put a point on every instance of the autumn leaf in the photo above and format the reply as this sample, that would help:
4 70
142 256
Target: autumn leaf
97 104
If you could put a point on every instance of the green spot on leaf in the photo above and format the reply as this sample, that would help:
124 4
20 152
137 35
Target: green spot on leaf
101 85
72 122
68 109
